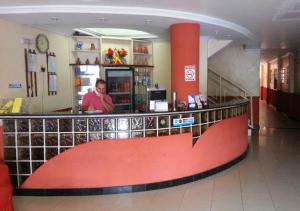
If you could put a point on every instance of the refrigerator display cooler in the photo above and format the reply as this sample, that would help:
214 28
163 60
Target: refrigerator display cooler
120 86
143 80
85 79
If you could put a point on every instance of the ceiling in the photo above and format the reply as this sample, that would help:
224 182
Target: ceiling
271 25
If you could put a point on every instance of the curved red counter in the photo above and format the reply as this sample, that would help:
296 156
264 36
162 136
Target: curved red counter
140 160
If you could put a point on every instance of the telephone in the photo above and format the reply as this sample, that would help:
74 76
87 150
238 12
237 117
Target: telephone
97 93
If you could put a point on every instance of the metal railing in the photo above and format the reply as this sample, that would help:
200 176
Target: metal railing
222 90
30 141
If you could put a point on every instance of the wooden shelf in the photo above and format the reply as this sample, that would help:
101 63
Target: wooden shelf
142 54
84 64
125 65
119 93
86 51
114 65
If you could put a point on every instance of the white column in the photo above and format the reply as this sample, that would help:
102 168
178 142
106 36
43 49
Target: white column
203 65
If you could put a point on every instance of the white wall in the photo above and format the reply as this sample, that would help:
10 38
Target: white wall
214 46
264 74
239 66
12 64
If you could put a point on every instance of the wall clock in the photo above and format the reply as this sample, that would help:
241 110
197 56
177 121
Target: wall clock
42 43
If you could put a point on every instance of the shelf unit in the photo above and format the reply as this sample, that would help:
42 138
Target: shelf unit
143 77
116 43
81 48
120 86
139 58
142 52
85 77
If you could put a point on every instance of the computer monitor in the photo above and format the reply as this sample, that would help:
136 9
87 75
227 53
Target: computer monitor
157 94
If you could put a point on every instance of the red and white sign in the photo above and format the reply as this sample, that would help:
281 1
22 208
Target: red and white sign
190 72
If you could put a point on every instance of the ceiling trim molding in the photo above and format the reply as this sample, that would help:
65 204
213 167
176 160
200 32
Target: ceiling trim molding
143 11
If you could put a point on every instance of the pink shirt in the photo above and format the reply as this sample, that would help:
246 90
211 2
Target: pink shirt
91 99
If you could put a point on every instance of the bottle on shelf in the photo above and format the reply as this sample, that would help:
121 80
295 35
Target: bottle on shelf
97 60
78 45
92 48
145 50
77 81
78 62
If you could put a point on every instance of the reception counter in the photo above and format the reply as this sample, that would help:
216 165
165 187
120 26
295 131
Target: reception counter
69 154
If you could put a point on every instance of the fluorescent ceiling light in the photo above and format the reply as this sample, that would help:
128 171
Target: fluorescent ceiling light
119 32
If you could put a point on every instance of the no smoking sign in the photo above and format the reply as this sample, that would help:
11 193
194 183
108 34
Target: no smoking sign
190 73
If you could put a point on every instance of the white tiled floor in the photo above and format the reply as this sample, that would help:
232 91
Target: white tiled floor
268 179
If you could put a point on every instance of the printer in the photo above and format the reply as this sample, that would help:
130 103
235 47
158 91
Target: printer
157 99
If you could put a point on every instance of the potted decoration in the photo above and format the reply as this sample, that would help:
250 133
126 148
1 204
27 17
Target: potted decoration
109 56
122 54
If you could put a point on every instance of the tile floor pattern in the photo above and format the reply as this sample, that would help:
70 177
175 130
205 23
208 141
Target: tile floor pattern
268 179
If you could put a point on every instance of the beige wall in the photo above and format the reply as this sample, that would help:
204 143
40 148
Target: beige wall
239 66
162 65
12 64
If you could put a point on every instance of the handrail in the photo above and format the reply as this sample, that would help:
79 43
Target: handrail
229 81
31 140
71 115
220 81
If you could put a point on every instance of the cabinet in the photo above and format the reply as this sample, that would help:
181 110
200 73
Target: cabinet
116 44
143 78
142 52
85 50
85 77
120 88
88 62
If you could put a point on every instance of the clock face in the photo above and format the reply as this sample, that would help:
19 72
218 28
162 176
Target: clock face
42 43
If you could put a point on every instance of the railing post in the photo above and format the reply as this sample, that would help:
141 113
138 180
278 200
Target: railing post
251 112
220 93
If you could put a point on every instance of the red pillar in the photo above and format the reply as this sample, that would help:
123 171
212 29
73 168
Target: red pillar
185 38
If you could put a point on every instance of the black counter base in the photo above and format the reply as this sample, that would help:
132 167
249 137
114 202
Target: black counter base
127 189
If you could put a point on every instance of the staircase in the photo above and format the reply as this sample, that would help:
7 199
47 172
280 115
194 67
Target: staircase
221 90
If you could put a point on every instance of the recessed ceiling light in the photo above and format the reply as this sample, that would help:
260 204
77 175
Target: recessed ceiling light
102 19
148 21
117 32
55 19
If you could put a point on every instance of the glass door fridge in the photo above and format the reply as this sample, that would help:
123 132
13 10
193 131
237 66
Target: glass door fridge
85 79
120 86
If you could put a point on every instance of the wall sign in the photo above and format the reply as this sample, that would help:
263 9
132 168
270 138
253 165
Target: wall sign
15 86
183 121
190 72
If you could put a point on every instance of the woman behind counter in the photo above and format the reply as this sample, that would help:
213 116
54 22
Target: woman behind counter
98 100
